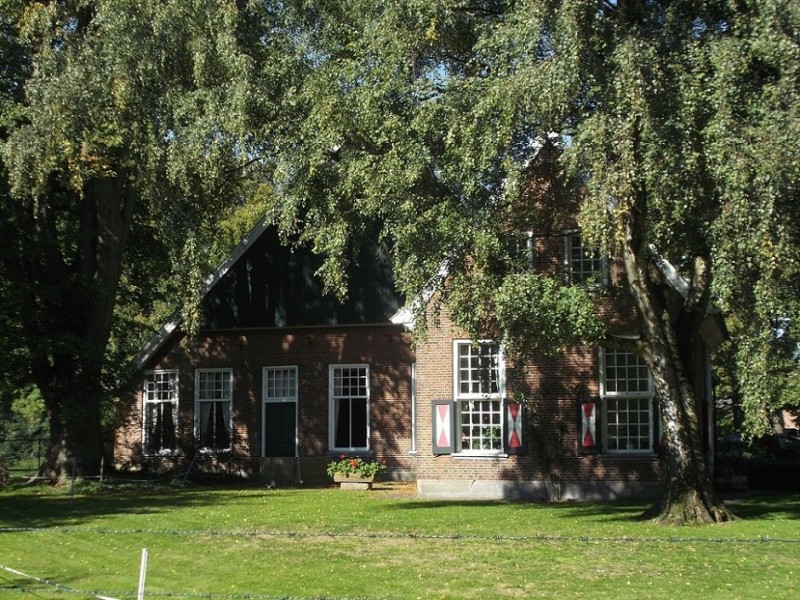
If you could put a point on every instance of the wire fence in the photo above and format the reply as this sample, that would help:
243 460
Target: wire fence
45 585
405 535
48 584
34 586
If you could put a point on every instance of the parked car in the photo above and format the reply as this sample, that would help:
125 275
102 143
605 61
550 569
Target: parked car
770 462
774 463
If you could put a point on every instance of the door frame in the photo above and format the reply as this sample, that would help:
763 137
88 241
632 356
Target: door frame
279 400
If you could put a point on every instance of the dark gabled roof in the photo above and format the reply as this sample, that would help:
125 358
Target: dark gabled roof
274 285
264 283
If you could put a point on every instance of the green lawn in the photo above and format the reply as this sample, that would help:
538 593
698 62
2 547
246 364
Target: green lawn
253 543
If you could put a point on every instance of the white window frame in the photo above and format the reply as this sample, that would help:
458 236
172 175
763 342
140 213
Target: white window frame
413 408
643 392
266 398
581 275
526 248
198 402
174 375
480 396
332 400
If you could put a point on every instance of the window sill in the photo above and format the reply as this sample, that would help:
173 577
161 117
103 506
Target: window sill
632 454
163 454
479 455
214 451
334 453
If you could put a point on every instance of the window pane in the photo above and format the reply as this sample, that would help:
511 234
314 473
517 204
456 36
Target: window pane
358 414
214 398
280 383
160 407
478 372
350 407
481 425
628 423
626 373
214 426
342 423
159 427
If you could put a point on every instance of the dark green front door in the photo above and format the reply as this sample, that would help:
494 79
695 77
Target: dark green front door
280 428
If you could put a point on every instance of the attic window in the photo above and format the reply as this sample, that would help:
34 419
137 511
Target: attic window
584 264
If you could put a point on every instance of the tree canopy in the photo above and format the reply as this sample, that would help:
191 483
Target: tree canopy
660 128
426 116
126 129
675 131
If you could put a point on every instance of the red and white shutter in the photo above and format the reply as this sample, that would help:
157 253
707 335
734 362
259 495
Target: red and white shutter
442 426
588 418
513 428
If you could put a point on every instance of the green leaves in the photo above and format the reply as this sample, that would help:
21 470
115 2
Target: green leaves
424 121
427 118
539 315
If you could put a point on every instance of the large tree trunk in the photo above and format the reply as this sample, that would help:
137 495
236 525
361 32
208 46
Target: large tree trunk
688 495
75 444
68 294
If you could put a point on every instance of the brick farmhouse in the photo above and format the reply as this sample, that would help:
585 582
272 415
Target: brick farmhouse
280 379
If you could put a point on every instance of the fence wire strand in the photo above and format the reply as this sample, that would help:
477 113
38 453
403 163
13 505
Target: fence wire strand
413 535
47 584
52 586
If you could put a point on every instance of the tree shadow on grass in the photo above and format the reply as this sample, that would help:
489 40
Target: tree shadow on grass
764 505
601 510
42 505
753 505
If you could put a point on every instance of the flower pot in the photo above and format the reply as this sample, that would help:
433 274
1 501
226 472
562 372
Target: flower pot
354 482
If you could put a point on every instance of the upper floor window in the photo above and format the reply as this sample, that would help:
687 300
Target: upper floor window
213 404
584 263
478 376
349 407
524 250
626 389
160 411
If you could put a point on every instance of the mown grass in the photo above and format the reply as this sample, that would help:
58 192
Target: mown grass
258 543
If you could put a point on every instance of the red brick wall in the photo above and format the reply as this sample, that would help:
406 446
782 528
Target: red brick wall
386 349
